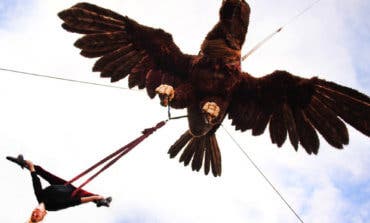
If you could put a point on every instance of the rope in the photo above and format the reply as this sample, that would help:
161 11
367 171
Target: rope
258 45
114 157
263 175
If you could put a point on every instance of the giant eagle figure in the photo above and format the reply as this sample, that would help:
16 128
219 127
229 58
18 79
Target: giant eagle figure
211 85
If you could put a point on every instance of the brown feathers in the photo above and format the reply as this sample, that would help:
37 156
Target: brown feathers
198 150
88 21
97 45
98 10
153 80
307 134
124 46
290 125
138 73
352 106
260 124
110 58
278 129
299 107
179 144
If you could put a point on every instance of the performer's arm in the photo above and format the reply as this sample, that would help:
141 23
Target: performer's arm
91 198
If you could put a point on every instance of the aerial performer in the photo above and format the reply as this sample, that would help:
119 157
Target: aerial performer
58 195
211 84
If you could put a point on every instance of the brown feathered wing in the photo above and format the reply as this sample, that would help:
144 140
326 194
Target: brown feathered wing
299 107
149 56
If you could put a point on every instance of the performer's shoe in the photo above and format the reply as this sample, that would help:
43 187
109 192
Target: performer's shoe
19 160
104 202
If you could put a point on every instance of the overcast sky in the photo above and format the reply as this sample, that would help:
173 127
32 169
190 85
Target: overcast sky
65 127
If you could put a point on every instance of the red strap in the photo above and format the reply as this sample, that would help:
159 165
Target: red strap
116 155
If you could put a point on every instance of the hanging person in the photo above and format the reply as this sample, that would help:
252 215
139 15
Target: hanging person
58 195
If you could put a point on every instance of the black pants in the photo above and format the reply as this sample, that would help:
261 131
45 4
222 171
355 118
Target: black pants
55 180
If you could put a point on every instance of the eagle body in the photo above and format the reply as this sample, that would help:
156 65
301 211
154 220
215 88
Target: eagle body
210 82
212 86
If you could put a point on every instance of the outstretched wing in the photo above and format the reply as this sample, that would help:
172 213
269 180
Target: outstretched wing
299 107
125 47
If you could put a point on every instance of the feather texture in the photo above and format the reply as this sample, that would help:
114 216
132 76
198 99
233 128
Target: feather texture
307 134
153 80
278 129
299 107
88 21
290 125
124 46
199 151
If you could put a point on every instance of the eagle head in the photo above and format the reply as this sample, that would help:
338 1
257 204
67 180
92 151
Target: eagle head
235 15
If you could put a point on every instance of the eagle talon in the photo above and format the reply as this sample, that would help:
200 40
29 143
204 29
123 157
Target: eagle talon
166 93
211 111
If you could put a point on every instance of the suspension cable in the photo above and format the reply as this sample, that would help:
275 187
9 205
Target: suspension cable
258 45
263 175
83 82
63 79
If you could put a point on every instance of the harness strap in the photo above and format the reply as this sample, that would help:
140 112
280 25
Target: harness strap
114 157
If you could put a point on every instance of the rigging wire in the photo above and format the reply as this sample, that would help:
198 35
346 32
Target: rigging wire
63 79
263 175
258 45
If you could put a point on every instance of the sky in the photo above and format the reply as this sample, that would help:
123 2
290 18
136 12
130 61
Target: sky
65 127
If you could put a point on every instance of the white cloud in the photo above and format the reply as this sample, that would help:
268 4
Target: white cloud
67 126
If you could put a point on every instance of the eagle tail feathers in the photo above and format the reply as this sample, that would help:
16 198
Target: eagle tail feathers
198 151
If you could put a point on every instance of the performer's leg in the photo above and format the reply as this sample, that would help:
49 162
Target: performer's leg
83 193
86 196
52 179
49 177
55 180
